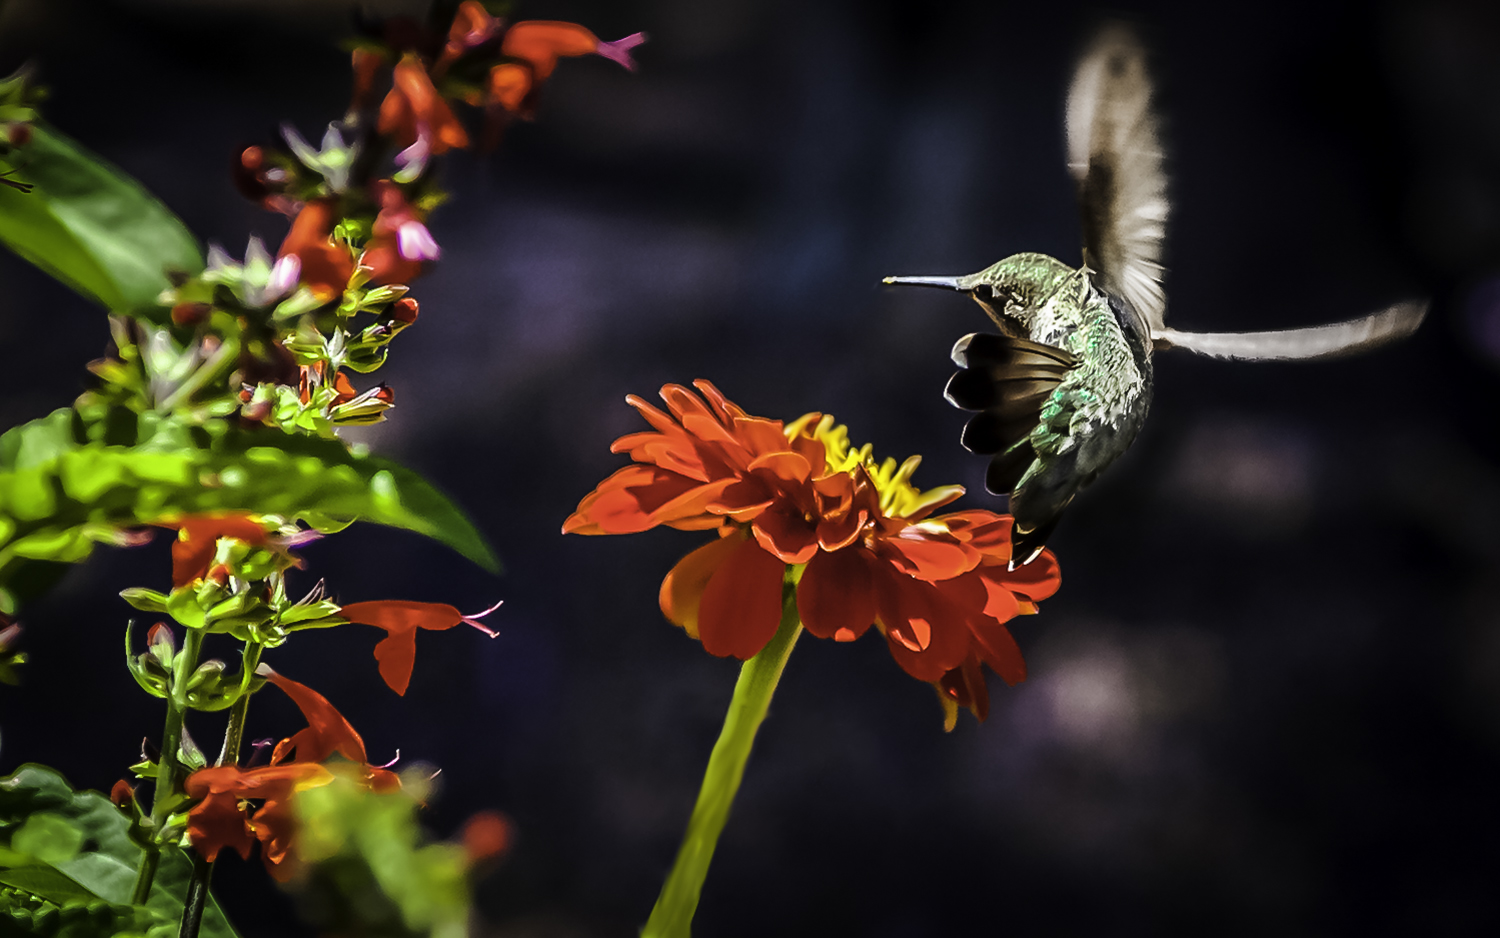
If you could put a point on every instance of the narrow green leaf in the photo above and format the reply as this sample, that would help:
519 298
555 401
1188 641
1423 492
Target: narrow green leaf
91 226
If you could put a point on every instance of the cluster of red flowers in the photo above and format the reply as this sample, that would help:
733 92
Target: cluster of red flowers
866 542
223 816
417 116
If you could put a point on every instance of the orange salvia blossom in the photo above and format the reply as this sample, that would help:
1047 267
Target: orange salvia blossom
326 266
938 587
397 652
222 817
198 538
540 43
413 109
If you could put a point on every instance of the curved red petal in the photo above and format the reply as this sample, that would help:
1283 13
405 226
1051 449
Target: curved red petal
786 534
327 730
403 615
682 590
999 649
541 42
396 655
786 466
1035 581
926 557
837 593
741 607
927 635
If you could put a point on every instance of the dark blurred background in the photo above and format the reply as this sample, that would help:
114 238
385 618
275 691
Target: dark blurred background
1267 698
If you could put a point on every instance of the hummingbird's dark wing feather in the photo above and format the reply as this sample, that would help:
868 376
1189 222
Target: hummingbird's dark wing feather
1306 344
1008 380
1116 158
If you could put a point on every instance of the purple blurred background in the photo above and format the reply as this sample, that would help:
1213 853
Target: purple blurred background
1267 699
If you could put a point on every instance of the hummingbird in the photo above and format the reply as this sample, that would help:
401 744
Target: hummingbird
1062 390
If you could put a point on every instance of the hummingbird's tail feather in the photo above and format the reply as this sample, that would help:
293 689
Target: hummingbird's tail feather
1008 380
1307 344
946 283
1026 543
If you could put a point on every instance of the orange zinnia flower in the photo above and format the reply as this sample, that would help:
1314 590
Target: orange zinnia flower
871 552
397 652
223 818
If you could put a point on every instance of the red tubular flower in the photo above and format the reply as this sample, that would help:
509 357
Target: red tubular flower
397 652
326 266
366 63
223 818
939 588
198 539
413 109
400 241
540 43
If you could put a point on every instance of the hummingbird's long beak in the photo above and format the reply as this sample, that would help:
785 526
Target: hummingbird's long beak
947 283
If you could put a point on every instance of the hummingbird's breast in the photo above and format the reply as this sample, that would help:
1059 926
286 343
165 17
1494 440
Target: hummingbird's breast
1107 391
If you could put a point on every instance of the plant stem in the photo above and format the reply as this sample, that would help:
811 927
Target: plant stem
234 734
673 915
169 772
197 897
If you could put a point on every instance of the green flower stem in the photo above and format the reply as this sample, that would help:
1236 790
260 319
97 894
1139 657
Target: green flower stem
235 733
169 773
673 915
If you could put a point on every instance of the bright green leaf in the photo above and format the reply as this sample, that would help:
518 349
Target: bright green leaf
106 869
91 226
67 479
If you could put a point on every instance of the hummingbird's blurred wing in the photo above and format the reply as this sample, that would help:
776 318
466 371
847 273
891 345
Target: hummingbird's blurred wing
1312 342
1114 154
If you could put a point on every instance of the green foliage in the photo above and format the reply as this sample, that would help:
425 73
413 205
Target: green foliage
68 865
370 874
72 479
90 225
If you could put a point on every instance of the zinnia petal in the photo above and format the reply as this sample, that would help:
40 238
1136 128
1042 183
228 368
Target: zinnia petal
1035 581
783 531
836 596
927 635
741 607
999 649
929 557
682 590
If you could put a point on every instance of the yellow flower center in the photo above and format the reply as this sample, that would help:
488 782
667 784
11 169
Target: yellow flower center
898 497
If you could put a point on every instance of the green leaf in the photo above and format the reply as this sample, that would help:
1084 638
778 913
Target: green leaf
70 479
91 226
46 882
107 867
48 837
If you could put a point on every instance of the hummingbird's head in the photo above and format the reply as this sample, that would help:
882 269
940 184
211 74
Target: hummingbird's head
1021 281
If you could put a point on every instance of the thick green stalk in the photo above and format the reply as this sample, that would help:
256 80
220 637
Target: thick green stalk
673 915
169 774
